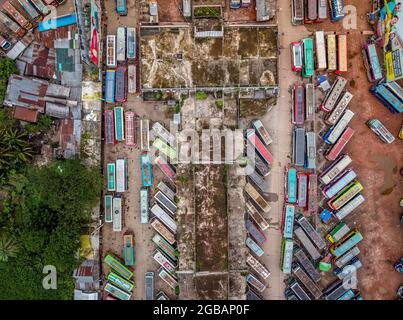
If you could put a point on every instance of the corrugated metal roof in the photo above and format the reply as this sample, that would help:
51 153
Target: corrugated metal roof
25 114
57 110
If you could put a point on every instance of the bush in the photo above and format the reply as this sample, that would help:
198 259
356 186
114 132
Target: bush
201 95
43 125
207 12
219 103
7 67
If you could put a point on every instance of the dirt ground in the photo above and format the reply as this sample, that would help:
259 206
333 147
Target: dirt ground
377 166
170 11
241 14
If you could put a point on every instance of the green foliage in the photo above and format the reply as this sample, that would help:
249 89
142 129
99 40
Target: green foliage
49 206
7 67
207 12
201 95
219 103
43 125
244 273
177 290
8 247
157 96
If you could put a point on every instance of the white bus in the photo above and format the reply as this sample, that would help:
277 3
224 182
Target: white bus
310 102
131 76
168 278
161 132
320 50
166 190
164 261
350 206
164 217
335 115
111 51
121 175
335 131
168 204
335 169
144 135
256 266
121 44
255 283
117 214
144 206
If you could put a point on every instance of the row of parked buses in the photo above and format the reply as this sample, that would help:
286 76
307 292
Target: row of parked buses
330 51
316 11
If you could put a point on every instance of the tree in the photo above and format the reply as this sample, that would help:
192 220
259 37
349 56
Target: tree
7 67
8 247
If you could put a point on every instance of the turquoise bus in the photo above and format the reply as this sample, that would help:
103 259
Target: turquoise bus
346 243
111 176
120 282
117 266
108 208
165 149
146 174
118 114
117 292
288 221
308 68
292 185
121 7
371 62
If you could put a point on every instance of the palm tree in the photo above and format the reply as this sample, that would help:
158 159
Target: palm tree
8 247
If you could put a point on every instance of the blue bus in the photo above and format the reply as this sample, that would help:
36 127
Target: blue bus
336 10
121 7
110 86
146 173
390 94
288 221
292 185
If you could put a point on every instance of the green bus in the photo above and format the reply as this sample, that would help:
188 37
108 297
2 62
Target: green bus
287 248
308 68
117 292
120 282
165 149
345 195
117 266
111 169
108 208
119 126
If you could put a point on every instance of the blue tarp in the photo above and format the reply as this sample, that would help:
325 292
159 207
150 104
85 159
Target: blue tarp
52 24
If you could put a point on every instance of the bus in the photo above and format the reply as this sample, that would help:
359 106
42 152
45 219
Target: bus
390 94
297 9
144 135
164 261
333 95
345 195
296 54
168 278
335 131
259 146
302 190
256 266
322 10
252 245
144 206
287 248
121 84
235 4
111 51
165 202
117 292
165 149
120 282
166 190
347 296
345 178
110 86
301 275
117 214
299 147
312 194
16 15
255 161
311 232
157 211
256 234
131 43
336 10
259 181
350 207
129 129
292 185
255 283
257 198
337 112
161 296
165 167
342 61
311 11
109 127
131 78
121 175
307 265
310 162
121 8
380 130
256 216
331 52
262 132
310 102
320 50
332 171
338 233
161 132
336 291
149 285
371 62
298 101
108 207
299 291
163 230
308 68
111 170
121 44
306 243
334 152
119 125
347 270
345 258
146 172
118 267
164 245
288 221
349 241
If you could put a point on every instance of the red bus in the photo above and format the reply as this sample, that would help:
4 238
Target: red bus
298 104
334 152
259 146
129 128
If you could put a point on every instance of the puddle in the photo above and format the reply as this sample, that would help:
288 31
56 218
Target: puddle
389 168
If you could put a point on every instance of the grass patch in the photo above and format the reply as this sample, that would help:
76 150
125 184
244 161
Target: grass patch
201 95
